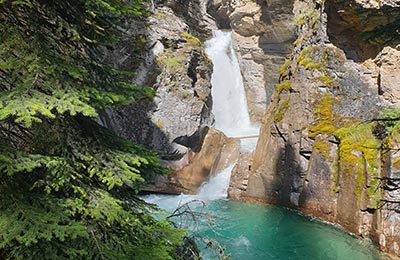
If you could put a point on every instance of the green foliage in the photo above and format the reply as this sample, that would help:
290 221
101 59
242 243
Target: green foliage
48 59
192 40
171 61
67 185
391 120
326 80
324 149
284 69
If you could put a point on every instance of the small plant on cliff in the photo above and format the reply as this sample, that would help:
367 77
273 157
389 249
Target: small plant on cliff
282 108
171 61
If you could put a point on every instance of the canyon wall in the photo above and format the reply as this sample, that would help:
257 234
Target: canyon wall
169 58
328 143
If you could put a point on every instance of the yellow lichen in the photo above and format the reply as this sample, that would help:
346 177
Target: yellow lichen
159 123
192 40
307 59
324 117
396 164
326 80
359 153
323 149
283 107
283 70
284 85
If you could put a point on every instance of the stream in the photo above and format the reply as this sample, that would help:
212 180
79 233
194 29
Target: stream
254 231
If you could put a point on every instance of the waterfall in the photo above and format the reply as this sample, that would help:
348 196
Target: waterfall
216 188
231 117
229 97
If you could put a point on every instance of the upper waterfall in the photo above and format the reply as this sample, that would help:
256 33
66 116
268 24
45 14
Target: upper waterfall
229 98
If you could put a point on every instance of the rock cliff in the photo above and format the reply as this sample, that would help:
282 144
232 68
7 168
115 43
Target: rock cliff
171 61
169 57
328 143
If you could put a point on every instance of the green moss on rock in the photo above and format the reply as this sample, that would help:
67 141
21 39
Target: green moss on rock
283 86
325 118
359 152
308 58
280 112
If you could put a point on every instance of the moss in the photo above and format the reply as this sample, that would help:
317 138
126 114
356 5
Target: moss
332 54
326 80
309 17
284 69
192 40
396 164
172 61
283 107
298 41
323 149
159 123
359 152
324 117
307 58
300 20
284 85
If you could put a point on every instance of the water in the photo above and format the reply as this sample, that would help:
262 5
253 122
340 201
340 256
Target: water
260 232
229 99
216 188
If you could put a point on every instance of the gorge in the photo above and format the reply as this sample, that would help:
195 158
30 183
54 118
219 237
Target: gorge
250 231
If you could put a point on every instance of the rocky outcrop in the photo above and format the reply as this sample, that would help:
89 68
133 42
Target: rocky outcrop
173 63
217 152
328 142
263 36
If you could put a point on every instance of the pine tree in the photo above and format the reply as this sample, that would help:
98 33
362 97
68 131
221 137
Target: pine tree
67 185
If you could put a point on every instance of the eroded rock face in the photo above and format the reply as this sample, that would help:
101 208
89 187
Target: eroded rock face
263 36
217 152
388 63
173 63
362 28
323 147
